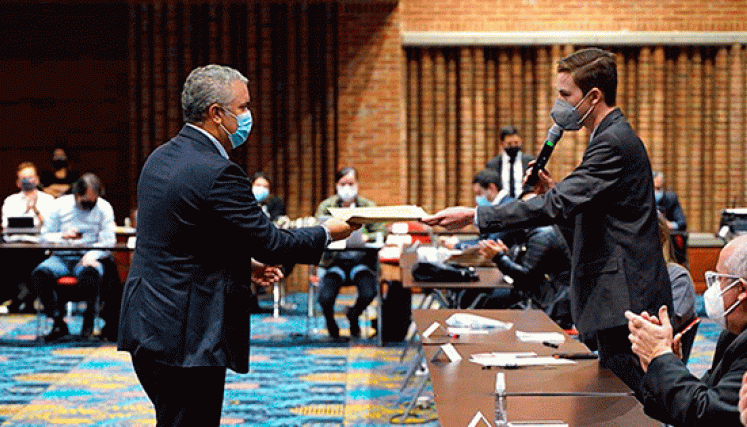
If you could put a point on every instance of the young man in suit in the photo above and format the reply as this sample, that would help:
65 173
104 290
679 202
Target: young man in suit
511 162
185 311
605 208
672 394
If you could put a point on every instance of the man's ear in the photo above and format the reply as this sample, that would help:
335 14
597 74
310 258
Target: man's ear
214 113
742 290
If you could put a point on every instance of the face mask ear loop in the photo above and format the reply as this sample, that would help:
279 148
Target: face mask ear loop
737 302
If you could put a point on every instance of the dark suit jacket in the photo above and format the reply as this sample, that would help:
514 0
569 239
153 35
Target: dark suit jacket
673 395
273 206
496 164
606 205
669 205
185 299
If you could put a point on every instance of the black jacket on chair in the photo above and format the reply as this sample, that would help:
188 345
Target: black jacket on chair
606 209
186 297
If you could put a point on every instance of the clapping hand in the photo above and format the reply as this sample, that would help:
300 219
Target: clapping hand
650 336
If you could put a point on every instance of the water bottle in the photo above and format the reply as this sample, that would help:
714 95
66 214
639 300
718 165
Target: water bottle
500 400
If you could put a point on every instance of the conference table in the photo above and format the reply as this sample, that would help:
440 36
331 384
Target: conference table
578 394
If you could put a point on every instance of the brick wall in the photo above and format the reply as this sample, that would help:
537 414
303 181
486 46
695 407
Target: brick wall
370 121
588 15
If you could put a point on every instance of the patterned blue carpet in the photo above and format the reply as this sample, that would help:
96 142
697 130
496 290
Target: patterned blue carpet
296 379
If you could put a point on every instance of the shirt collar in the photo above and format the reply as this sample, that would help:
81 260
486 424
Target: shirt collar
498 197
215 142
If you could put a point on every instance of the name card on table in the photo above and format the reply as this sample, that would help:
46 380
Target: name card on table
449 351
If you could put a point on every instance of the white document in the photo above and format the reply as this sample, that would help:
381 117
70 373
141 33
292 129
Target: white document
550 337
471 321
379 214
509 359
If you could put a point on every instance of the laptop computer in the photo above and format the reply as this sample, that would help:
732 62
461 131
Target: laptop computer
21 225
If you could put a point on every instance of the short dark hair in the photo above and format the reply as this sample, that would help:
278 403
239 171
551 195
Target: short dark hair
508 131
260 174
88 180
344 171
486 177
592 68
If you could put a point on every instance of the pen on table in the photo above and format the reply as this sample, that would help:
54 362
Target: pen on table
550 344
574 356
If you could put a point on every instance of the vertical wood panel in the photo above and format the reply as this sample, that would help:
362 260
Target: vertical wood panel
288 53
688 105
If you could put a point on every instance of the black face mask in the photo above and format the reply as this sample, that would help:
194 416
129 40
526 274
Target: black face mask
512 151
86 205
27 185
59 163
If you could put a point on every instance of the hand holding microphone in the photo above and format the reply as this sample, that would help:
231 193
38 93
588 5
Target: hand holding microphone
553 136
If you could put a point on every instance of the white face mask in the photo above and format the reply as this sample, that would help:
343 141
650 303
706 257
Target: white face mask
347 192
713 297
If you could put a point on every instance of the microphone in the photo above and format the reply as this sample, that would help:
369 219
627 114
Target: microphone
553 136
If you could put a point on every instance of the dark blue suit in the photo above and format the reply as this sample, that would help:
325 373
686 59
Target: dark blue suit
185 300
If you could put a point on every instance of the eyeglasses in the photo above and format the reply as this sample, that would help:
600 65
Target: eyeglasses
712 278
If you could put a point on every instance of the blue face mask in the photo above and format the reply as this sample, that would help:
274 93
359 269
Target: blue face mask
244 126
482 201
658 194
260 193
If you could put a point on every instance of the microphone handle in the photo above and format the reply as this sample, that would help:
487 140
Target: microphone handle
542 159
553 136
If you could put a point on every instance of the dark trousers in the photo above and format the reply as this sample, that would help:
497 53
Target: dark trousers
182 396
45 287
335 277
616 354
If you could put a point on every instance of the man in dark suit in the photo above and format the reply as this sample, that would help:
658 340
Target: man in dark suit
511 163
185 316
669 204
605 208
671 393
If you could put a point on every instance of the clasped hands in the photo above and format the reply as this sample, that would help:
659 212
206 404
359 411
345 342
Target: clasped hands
652 336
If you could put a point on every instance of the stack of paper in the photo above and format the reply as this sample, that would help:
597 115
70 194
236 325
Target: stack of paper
464 320
543 337
516 359
379 214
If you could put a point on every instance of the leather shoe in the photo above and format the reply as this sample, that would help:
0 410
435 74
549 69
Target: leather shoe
59 330
355 329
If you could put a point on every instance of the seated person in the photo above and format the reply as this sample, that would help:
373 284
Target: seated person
670 393
28 202
488 190
683 289
271 204
668 204
83 217
541 271
350 266
60 179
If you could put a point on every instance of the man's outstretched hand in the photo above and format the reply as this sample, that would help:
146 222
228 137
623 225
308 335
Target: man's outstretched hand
452 218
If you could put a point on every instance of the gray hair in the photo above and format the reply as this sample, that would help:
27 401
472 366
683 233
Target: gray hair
205 86
736 264
658 174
